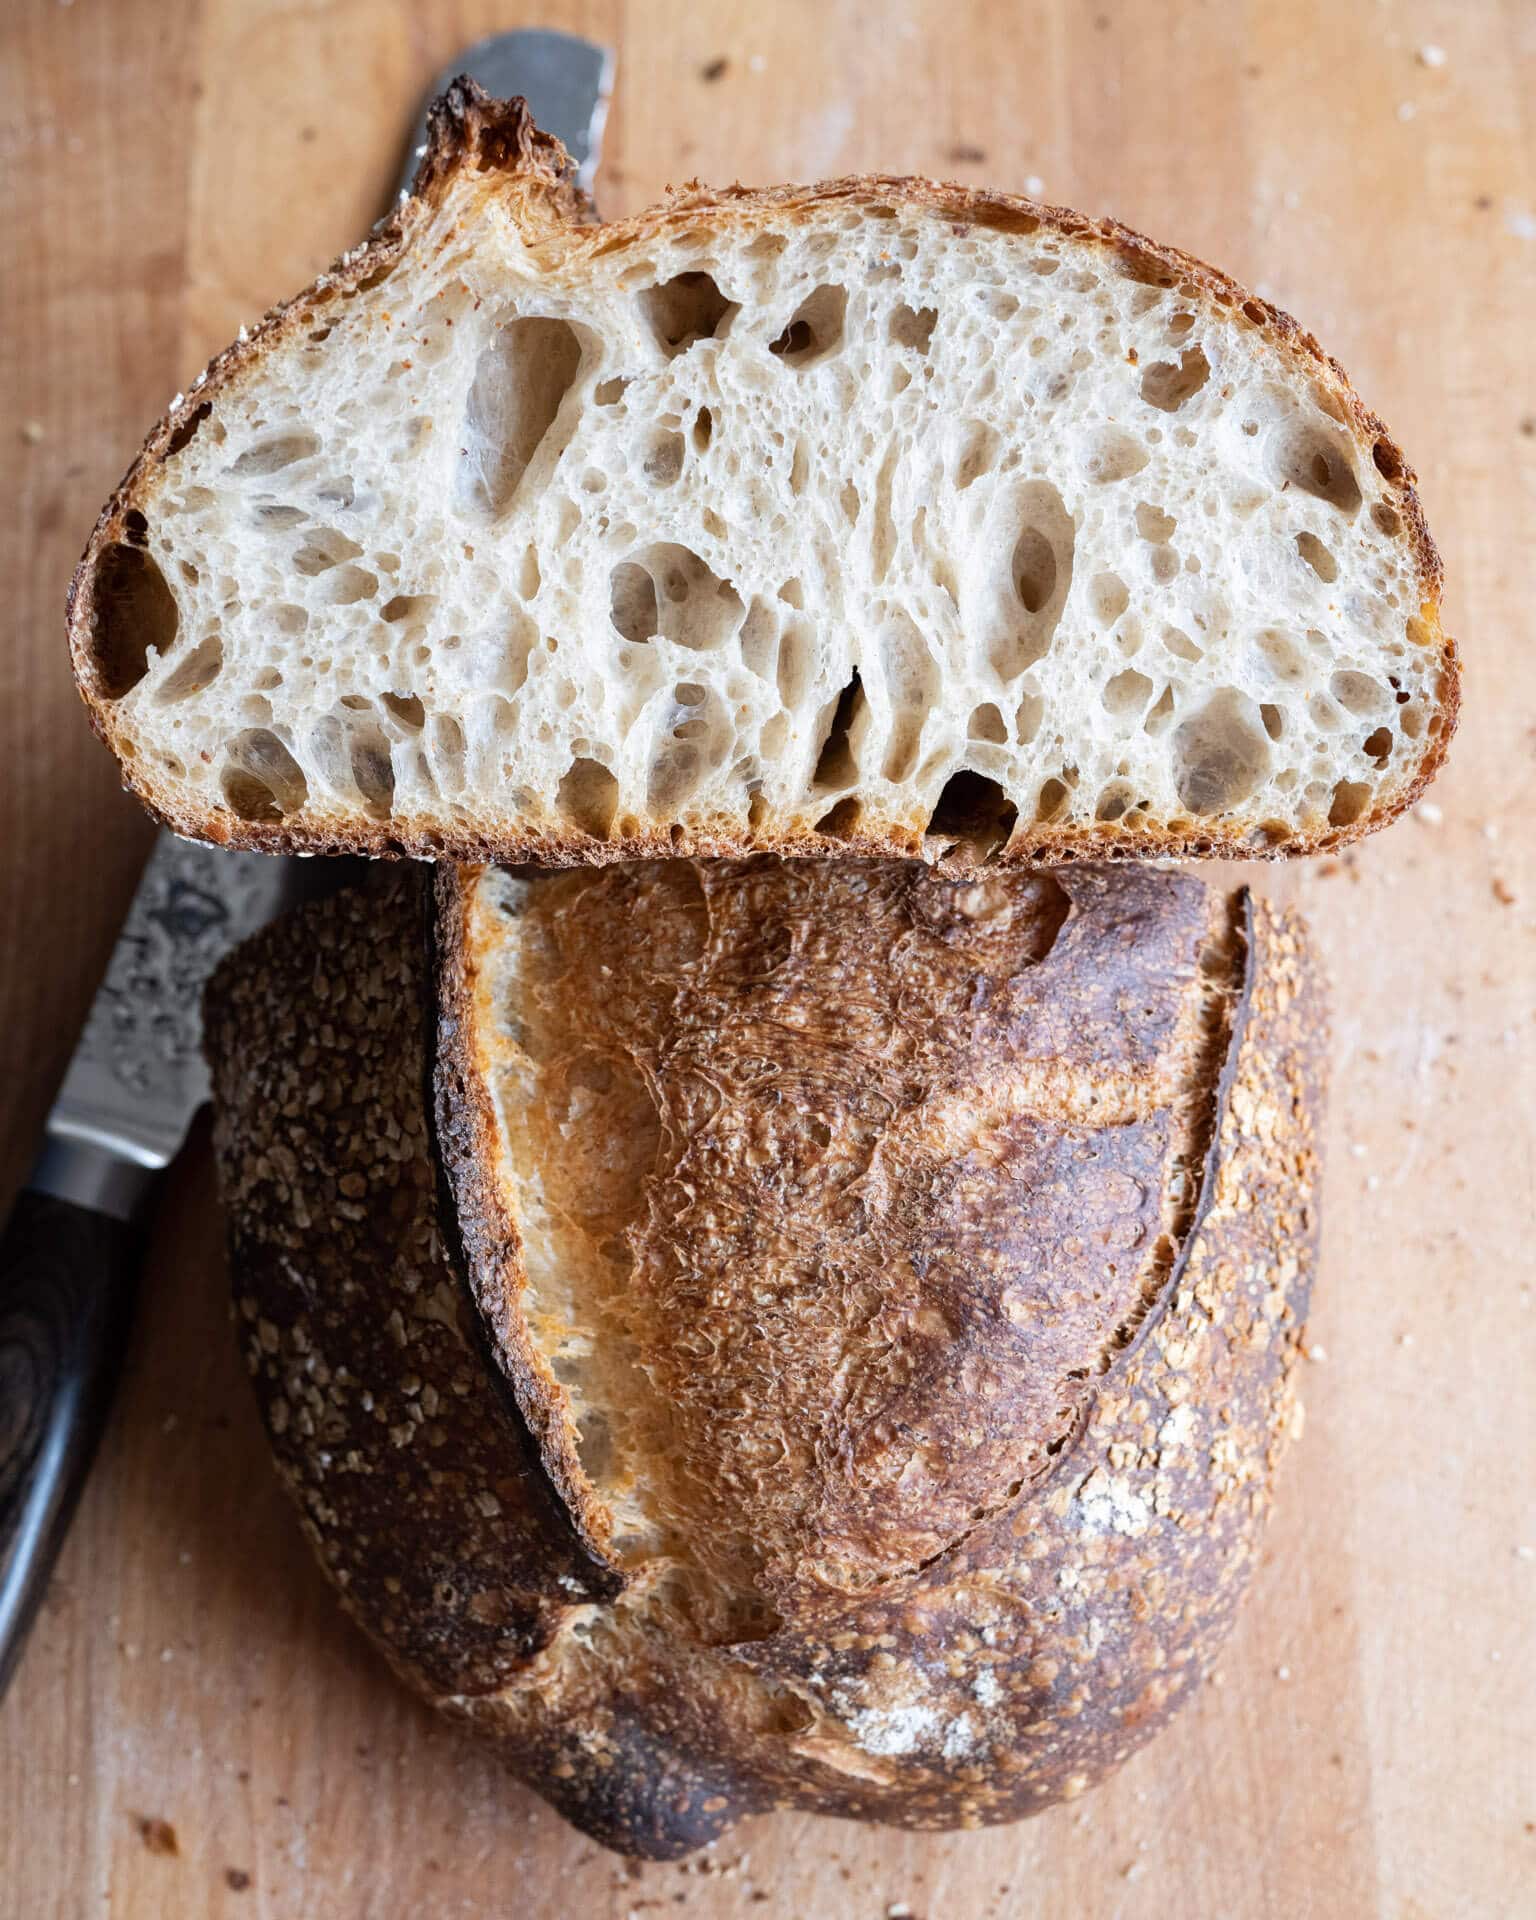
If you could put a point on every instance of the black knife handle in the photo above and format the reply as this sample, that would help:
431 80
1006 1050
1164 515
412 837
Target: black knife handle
66 1293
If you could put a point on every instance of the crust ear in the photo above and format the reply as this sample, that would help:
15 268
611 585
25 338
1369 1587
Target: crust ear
468 131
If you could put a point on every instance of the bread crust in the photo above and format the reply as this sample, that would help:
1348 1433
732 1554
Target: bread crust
1045 1641
531 173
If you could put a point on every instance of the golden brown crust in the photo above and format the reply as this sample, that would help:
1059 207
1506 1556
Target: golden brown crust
1047 1639
471 132
871 1095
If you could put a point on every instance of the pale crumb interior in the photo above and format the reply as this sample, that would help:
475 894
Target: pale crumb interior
854 519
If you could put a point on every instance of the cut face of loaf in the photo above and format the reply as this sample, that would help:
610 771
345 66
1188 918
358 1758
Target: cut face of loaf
881 516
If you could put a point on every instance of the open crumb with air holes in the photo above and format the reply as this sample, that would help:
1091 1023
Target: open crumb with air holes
879 515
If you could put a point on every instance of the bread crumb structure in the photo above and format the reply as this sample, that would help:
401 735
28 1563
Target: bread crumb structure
879 516
830 1342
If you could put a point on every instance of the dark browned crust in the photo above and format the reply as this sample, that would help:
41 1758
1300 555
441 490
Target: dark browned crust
1051 1638
315 1033
471 131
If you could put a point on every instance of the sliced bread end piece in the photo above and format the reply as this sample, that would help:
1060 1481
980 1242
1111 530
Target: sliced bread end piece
879 515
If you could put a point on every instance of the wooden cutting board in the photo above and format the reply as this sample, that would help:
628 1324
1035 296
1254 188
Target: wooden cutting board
194 1729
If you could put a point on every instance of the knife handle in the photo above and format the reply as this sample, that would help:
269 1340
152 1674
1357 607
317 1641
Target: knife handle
66 1291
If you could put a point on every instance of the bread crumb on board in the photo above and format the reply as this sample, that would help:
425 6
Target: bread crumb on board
159 1836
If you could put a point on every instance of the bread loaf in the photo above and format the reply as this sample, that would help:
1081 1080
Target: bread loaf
880 517
829 1342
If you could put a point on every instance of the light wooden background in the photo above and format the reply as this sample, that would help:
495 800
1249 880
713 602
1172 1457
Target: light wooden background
1369 1749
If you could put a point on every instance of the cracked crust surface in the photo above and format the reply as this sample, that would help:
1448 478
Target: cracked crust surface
956 1643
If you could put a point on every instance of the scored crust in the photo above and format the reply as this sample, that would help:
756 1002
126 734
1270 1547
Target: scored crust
1046 1638
530 175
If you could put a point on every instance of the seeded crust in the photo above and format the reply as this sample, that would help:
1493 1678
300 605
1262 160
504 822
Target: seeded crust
532 176
1046 1637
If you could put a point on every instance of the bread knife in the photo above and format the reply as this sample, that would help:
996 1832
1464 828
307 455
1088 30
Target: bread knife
70 1251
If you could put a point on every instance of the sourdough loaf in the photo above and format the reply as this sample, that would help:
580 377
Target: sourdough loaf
879 516
829 1342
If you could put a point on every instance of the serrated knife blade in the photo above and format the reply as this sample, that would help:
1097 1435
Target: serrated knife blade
138 1074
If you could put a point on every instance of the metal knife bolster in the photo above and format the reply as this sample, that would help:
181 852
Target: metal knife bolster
138 1075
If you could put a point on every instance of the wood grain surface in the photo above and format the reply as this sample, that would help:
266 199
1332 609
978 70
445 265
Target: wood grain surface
194 1728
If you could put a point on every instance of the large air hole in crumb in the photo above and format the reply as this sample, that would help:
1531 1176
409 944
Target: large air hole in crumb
1274 720
261 781
815 329
1358 692
272 455
1114 801
410 607
988 724
1283 657
836 766
132 612
1181 646
321 549
687 308
793 670
912 327
1113 455
1153 524
974 812
632 602
1040 573
521 379
1303 456
1034 569
1027 721
344 586
588 796
445 746
911 683
407 709
195 674
976 450
1051 803
839 821
1317 557
1127 694
1350 800
1160 714
1167 387
663 460
1221 753
1109 597
668 589
373 770
1378 746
